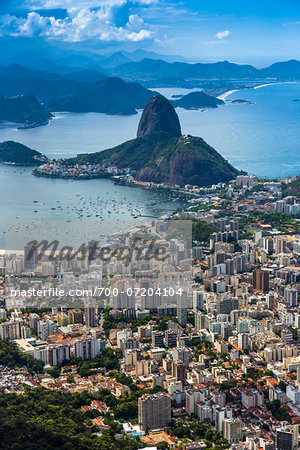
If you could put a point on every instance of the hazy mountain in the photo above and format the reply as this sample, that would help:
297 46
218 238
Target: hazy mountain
139 55
88 91
115 60
86 76
110 96
18 71
287 70
149 69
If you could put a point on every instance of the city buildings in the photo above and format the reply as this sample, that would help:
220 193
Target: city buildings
154 411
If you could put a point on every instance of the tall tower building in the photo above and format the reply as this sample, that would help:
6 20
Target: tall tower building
87 348
93 251
30 256
182 308
178 371
287 438
154 411
243 341
232 430
90 315
75 316
198 300
260 280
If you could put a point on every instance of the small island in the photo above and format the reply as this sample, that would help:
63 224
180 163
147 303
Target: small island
240 101
197 100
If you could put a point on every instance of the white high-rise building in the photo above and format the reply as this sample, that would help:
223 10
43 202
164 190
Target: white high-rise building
198 300
87 348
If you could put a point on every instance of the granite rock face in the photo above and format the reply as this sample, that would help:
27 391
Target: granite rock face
159 115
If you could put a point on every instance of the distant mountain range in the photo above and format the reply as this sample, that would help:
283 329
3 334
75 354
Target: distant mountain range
63 58
83 91
149 69
97 93
91 90
139 65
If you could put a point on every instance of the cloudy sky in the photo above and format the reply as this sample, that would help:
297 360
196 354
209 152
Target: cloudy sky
259 30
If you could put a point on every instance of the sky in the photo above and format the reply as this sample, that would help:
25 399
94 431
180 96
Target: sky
256 31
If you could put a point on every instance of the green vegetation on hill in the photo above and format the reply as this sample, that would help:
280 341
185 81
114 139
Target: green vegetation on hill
16 153
12 357
46 419
160 157
202 231
23 109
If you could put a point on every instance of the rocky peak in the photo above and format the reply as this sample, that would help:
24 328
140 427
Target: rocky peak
159 115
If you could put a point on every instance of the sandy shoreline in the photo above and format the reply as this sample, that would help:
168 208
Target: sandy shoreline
227 93
271 84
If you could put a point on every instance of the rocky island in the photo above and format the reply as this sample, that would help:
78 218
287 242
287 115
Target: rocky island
160 154
197 100
240 101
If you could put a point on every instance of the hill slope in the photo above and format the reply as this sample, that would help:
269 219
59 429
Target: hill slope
161 157
15 153
23 109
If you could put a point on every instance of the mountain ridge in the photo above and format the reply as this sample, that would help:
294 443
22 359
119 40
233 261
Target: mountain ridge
157 69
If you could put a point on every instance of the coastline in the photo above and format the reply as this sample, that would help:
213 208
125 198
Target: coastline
227 93
271 84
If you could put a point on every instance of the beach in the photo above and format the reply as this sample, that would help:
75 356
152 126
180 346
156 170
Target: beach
226 94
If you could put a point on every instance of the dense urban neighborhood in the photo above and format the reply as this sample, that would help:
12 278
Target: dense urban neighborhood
185 336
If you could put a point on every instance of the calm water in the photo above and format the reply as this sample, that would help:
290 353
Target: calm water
262 139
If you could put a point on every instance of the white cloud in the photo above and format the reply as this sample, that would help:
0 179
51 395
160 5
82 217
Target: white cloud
222 34
296 22
79 25
80 4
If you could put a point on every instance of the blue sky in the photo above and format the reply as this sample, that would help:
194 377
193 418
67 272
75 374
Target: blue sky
254 31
